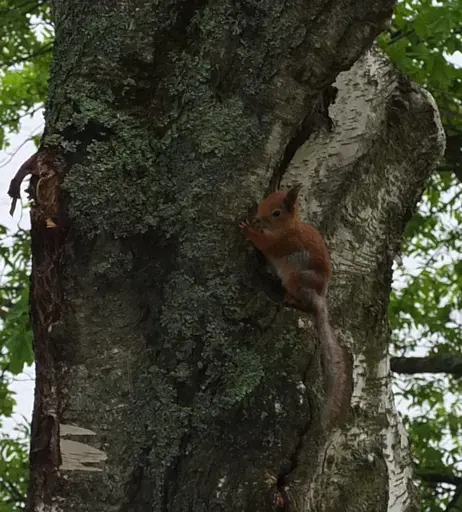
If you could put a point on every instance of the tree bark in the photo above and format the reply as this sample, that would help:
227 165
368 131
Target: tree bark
169 376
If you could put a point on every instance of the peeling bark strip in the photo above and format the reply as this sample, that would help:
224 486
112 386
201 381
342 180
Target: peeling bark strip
203 393
46 311
28 167
46 166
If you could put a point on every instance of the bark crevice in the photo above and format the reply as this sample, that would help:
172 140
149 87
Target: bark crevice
316 120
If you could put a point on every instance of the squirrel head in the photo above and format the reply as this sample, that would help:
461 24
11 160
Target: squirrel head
278 209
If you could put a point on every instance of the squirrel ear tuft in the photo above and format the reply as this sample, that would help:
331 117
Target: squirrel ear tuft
291 197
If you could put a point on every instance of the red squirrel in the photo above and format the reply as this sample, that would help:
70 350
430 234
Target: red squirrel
299 255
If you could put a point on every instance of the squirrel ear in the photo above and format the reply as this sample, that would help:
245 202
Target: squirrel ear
291 197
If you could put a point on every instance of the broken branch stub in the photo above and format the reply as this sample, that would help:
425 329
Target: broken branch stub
47 167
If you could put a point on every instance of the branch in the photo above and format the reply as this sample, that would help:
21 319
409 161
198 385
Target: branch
10 156
433 476
453 143
450 363
25 58
11 489
400 35
28 167
31 6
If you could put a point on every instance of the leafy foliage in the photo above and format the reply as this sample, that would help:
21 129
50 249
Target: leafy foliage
15 335
16 351
26 39
423 37
13 470
425 316
425 308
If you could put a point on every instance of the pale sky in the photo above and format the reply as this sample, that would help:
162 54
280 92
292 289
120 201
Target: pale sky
10 161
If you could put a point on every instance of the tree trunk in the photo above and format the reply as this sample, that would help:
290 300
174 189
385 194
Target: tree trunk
169 375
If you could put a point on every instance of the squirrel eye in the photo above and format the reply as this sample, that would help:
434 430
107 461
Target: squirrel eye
276 213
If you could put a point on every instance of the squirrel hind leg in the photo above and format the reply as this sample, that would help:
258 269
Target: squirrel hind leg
303 297
307 306
291 302
312 280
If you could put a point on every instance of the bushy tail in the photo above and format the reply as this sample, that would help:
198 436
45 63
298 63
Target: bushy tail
335 372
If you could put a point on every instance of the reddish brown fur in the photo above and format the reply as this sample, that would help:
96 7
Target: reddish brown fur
300 256
288 234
